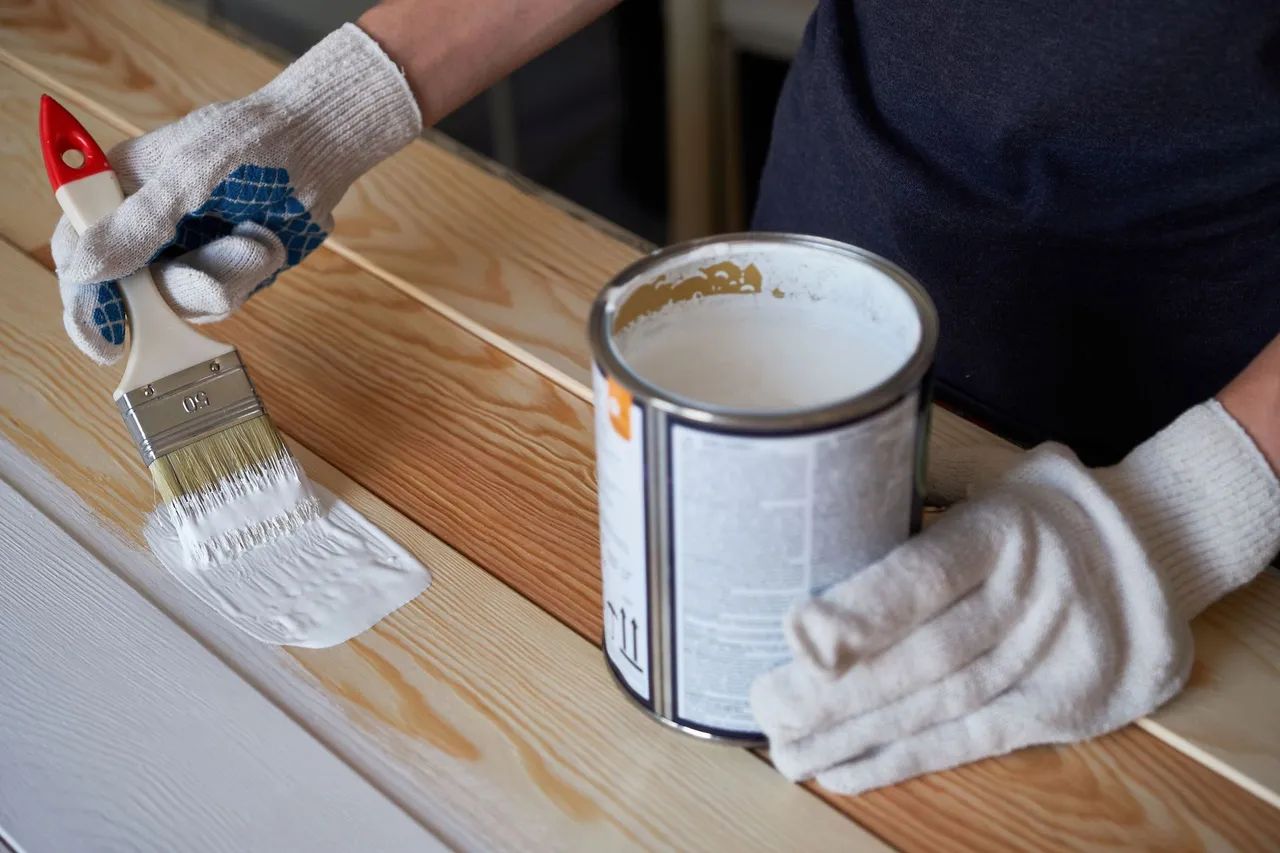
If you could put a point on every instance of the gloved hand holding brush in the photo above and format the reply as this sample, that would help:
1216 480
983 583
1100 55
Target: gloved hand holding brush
1051 606
223 200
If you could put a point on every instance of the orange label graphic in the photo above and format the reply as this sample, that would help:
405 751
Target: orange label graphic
620 410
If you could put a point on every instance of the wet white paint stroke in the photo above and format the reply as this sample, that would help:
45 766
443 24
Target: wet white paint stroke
332 578
340 578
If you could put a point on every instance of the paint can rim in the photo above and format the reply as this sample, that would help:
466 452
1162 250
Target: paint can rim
842 411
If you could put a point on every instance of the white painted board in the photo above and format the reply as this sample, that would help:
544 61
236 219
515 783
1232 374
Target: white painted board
119 731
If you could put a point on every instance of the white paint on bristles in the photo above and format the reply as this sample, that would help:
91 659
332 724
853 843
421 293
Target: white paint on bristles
258 504
822 330
317 582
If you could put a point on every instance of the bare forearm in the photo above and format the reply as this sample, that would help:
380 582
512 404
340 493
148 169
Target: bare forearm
1253 399
451 50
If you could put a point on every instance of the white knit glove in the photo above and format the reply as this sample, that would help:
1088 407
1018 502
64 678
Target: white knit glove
1052 606
224 199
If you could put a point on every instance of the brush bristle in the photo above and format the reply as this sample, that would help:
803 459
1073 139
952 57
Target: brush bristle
205 464
234 490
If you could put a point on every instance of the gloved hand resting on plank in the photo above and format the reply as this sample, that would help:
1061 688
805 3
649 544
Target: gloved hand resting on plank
1050 606
224 199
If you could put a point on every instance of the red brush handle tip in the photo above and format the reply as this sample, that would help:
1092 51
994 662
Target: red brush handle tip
60 133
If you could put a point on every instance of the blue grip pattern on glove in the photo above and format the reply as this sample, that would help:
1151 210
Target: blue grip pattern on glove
250 193
259 194
108 314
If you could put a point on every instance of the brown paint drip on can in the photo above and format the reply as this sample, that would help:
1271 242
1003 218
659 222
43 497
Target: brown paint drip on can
717 279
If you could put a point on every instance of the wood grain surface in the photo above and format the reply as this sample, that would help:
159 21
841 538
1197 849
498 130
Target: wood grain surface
278 352
487 454
120 731
49 40
483 716
1228 717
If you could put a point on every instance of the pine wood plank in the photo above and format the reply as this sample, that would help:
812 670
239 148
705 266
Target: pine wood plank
467 705
1052 801
1226 717
493 255
118 729
494 447
947 425
558 524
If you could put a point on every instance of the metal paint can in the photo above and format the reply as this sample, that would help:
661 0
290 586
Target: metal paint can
696 584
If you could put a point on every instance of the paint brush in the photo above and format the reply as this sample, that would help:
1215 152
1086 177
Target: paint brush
215 457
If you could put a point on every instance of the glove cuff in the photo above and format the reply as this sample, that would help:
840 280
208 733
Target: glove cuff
1205 503
350 104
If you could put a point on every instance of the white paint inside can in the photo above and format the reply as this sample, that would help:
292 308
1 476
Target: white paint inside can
811 337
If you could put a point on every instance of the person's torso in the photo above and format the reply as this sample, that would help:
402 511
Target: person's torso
1090 191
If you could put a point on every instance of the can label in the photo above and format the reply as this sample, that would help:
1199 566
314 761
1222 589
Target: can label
620 477
760 522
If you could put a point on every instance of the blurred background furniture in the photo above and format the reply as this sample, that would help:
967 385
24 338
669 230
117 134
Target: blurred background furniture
714 168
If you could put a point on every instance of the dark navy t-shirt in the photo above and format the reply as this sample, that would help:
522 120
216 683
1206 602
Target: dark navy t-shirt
1089 190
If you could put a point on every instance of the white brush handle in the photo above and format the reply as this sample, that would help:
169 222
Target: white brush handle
161 342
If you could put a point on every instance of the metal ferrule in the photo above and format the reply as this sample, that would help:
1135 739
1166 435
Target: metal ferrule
187 406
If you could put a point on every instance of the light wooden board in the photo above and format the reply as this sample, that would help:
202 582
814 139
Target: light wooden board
116 96
118 730
484 717
1079 799
1229 715
515 459
489 455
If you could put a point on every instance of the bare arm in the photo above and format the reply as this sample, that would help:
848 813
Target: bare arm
451 50
1253 399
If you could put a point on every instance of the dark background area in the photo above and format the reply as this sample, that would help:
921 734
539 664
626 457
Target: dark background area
588 117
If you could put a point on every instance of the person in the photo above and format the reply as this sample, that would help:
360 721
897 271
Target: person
1089 191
